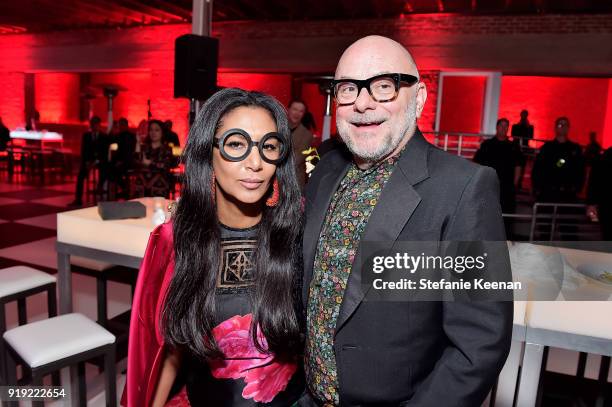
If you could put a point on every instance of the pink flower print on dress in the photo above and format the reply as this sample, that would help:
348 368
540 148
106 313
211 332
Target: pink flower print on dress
264 376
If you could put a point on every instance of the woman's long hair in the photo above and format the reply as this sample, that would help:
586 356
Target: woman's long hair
189 308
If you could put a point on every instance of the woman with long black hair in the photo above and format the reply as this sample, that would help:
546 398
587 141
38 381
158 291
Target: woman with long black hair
216 316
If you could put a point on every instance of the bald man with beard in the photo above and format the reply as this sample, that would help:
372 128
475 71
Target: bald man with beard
390 185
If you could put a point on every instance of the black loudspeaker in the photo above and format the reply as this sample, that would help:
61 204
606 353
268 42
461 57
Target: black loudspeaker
195 66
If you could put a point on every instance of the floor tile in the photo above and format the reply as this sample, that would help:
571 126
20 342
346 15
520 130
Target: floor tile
6 262
62 201
44 221
12 234
6 187
32 193
9 201
63 187
40 252
26 210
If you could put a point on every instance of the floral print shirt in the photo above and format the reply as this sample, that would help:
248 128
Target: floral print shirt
342 230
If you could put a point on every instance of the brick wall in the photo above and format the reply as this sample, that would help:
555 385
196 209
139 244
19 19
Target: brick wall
427 122
163 104
12 99
57 97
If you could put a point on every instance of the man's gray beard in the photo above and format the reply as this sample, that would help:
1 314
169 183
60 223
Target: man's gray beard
390 141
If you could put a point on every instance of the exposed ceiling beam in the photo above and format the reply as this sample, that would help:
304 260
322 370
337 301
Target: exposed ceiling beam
98 13
231 12
257 9
120 13
176 9
143 7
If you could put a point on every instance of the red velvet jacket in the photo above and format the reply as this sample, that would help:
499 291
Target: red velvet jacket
145 349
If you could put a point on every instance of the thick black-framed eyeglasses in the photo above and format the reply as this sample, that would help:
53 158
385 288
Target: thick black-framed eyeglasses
382 88
236 145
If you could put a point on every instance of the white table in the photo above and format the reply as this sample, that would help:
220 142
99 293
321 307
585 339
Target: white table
43 136
83 233
582 326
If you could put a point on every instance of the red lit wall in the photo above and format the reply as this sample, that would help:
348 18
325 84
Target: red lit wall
462 103
130 103
277 85
164 106
316 105
57 97
12 99
583 100
607 132
427 122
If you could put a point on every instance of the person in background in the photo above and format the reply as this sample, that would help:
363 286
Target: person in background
172 139
34 122
124 158
5 135
94 154
505 158
501 154
599 193
141 133
558 170
592 150
301 137
309 122
523 130
156 161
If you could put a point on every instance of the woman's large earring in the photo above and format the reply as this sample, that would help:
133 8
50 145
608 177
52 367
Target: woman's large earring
272 201
213 187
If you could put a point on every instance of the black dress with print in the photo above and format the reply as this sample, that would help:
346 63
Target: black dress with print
233 300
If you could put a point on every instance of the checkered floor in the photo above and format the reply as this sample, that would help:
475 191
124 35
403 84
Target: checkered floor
28 212
28 222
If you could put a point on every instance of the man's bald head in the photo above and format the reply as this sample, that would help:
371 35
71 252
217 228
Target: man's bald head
375 130
373 55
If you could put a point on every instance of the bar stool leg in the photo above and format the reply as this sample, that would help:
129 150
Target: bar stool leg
11 378
82 384
52 311
11 368
37 380
3 355
51 302
22 311
110 377
604 368
55 379
102 297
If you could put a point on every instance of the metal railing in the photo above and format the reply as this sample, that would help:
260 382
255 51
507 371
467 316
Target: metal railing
463 144
466 144
547 220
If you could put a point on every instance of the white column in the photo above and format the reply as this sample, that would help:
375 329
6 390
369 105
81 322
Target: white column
201 20
201 24
491 103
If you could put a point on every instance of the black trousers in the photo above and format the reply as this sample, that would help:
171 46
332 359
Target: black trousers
82 176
